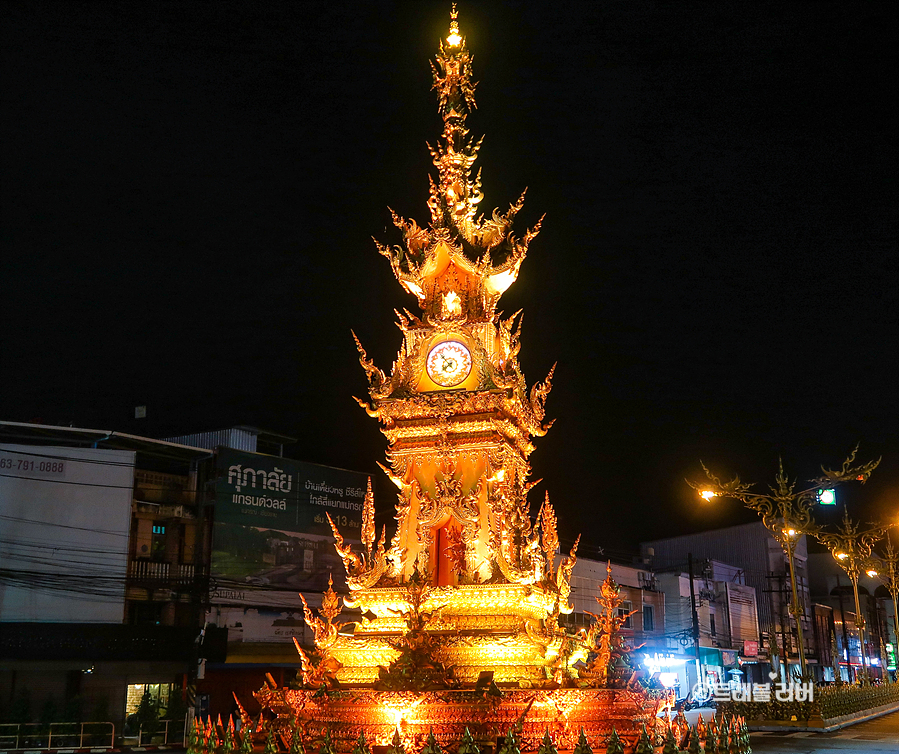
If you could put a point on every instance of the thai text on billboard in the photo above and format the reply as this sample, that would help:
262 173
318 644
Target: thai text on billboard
271 537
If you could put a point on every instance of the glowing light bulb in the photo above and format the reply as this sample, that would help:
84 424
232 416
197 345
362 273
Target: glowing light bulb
871 572
452 304
454 39
842 556
708 494
790 532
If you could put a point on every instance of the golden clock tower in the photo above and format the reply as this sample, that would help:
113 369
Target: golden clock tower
459 633
459 418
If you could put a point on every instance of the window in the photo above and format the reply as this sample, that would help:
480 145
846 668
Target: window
157 544
648 624
158 694
143 613
158 697
712 630
623 611
575 620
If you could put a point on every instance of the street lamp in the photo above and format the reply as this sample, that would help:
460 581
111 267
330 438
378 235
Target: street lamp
851 547
787 514
888 574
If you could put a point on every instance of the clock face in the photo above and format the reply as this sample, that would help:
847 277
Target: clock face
449 363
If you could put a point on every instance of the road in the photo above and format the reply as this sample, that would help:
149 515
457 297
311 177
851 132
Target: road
875 736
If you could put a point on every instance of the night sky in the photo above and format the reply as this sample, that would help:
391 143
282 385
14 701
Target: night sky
189 192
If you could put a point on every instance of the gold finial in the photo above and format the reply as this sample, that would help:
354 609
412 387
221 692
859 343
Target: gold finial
455 38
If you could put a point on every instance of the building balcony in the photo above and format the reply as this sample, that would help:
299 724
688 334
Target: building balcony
165 512
166 489
162 572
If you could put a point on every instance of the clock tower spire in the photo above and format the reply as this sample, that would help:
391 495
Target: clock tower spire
482 255
459 417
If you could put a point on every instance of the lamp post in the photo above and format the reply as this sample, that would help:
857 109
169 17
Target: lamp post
787 514
888 574
851 548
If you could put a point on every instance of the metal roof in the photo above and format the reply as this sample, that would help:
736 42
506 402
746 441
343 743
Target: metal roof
47 433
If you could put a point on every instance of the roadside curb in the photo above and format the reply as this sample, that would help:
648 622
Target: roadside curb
836 723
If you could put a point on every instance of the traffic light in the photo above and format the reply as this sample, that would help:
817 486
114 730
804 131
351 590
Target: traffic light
827 497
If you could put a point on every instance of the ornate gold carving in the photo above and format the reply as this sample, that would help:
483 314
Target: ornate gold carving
610 666
319 667
460 255
539 392
368 519
563 577
324 630
547 521
366 569
376 379
458 458
417 665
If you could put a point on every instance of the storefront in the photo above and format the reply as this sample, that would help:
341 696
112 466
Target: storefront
672 670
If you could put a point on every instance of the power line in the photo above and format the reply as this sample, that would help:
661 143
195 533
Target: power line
98 484
57 545
72 458
64 526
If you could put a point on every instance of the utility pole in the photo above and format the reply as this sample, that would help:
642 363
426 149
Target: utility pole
784 624
695 620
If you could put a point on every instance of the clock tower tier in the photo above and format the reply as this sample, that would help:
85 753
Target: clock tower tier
459 419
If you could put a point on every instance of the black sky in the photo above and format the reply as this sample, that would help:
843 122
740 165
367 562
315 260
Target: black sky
189 191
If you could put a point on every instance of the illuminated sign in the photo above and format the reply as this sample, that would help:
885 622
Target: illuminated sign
271 537
657 663
827 497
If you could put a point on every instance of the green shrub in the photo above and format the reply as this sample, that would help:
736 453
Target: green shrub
829 702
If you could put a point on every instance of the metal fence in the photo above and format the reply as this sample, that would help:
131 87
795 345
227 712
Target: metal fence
56 735
164 732
82 735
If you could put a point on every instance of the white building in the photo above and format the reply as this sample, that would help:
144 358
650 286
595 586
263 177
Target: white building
752 549
101 586
640 594
727 615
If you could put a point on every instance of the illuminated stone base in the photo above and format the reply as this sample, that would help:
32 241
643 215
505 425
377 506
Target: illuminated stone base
499 627
562 712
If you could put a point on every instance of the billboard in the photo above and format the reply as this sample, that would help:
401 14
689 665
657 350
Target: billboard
252 626
271 537
65 518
